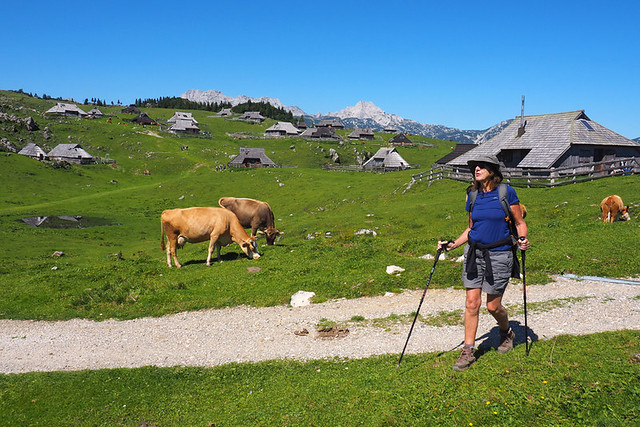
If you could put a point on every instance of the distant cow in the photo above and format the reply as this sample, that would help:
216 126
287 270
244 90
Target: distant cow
219 226
253 214
523 209
613 209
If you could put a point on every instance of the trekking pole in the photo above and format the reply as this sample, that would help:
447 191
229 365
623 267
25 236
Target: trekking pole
524 296
420 305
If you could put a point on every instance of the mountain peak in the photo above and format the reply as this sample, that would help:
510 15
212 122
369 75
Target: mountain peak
362 110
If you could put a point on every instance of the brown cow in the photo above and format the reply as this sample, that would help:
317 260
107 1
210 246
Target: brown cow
253 214
219 226
613 209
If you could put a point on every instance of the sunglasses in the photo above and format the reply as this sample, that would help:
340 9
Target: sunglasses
481 165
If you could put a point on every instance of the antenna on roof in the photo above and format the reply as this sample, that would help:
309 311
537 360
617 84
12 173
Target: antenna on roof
522 122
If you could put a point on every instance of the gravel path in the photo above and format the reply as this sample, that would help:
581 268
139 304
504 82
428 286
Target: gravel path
242 334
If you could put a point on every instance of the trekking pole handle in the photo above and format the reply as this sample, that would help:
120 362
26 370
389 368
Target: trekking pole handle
444 247
522 239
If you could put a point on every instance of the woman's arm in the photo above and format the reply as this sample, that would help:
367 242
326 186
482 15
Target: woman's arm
521 226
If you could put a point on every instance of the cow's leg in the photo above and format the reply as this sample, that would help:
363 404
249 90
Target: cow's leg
171 250
213 243
254 233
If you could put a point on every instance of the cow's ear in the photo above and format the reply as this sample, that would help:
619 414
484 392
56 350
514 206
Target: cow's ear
252 238
280 233
260 232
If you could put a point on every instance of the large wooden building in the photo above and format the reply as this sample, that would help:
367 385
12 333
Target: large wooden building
553 141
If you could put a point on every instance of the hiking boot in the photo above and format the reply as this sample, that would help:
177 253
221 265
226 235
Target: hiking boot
506 341
465 360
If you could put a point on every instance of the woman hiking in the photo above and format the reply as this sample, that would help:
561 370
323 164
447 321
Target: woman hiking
489 256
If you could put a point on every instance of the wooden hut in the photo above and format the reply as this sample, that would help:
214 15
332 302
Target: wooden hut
388 159
400 139
553 141
331 123
65 109
282 129
72 153
362 133
252 116
33 151
144 119
179 115
184 126
251 157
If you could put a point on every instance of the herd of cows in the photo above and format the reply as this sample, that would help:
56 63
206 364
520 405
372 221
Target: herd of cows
220 226
226 224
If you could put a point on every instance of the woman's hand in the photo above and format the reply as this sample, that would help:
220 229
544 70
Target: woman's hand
446 245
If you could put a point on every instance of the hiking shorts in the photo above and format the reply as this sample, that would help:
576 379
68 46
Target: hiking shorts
501 264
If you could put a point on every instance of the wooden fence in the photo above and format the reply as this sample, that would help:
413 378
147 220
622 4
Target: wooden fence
359 168
539 177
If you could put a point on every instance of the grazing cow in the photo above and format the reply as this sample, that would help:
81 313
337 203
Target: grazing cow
253 214
219 226
613 209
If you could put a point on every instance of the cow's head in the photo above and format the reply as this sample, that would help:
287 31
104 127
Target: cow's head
271 233
624 214
248 247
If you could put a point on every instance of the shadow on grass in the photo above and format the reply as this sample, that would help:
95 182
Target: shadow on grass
492 338
231 256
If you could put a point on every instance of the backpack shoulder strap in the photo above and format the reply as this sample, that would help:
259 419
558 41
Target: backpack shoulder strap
508 215
502 193
473 194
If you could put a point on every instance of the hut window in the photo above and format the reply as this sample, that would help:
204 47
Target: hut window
586 124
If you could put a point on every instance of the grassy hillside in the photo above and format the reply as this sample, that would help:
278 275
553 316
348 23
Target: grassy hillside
119 270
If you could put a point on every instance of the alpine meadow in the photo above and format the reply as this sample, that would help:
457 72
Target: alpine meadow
112 267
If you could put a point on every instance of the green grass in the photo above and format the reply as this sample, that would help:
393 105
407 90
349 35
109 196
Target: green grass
91 281
119 271
586 380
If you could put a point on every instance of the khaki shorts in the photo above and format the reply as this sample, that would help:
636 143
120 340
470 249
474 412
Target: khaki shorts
501 264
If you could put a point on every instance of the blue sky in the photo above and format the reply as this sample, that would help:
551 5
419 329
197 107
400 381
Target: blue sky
463 64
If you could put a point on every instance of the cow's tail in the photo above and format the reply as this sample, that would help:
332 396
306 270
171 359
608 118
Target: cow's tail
162 236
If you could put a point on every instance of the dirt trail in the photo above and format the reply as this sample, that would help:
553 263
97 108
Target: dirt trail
241 334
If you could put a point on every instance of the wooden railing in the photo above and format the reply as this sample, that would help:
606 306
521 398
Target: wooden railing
540 177
360 168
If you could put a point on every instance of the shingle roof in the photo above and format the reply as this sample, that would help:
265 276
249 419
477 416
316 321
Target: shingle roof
336 123
459 150
32 150
283 127
179 115
252 153
548 137
252 115
361 132
74 151
400 138
183 126
63 108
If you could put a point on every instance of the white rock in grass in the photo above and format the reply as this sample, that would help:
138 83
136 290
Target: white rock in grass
394 269
427 256
459 259
302 298
366 231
